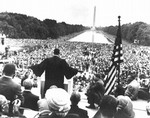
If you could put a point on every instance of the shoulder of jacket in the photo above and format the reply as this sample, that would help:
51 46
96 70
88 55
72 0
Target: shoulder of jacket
16 85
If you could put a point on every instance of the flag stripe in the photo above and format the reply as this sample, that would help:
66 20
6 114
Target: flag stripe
108 91
110 79
109 74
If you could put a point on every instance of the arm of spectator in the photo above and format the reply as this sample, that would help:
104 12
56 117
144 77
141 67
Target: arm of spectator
19 96
17 102
16 106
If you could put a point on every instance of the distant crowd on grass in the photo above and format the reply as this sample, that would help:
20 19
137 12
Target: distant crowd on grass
94 61
88 57
85 56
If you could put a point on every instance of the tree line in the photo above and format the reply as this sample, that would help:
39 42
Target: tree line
15 25
138 32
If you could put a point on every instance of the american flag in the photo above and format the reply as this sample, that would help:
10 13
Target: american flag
111 77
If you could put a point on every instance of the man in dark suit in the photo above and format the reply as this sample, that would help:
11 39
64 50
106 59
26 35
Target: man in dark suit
55 69
30 100
10 89
75 98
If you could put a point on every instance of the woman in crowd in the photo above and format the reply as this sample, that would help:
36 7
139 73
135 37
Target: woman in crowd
58 101
124 108
108 107
95 92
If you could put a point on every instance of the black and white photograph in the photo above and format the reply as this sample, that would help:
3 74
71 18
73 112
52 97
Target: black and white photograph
74 59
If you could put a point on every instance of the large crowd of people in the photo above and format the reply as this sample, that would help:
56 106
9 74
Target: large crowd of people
93 60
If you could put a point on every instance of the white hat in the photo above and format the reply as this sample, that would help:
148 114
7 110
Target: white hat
58 100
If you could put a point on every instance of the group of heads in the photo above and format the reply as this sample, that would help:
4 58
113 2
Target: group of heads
120 107
59 101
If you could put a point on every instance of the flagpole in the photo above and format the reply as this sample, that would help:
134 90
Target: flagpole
119 28
114 70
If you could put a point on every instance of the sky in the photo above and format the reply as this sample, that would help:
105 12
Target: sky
82 11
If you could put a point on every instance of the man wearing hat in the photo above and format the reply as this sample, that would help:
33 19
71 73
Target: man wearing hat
58 101
10 89
55 69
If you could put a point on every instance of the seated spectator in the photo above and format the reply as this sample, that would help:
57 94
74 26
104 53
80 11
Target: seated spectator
107 107
10 89
30 99
95 94
42 103
125 107
75 99
143 92
132 88
4 105
58 101
4 108
118 90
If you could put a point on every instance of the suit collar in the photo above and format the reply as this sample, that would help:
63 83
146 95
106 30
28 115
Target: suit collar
7 77
27 90
56 55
